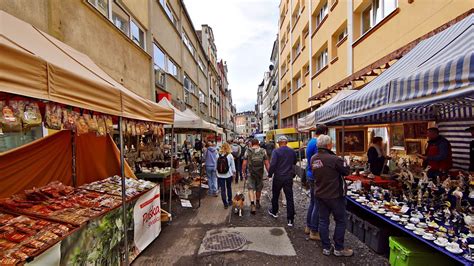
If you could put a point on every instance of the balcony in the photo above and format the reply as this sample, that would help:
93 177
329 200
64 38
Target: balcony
160 78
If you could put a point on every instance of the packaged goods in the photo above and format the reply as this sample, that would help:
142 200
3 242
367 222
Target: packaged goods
82 127
70 119
91 122
53 116
109 124
31 115
10 117
101 128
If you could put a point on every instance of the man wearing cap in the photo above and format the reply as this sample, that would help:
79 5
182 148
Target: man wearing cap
471 149
282 169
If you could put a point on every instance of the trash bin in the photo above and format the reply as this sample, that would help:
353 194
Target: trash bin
409 252
376 237
358 227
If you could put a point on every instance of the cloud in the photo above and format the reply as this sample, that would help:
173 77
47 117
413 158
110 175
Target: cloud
244 31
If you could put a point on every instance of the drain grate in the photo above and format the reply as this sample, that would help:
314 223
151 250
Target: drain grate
224 241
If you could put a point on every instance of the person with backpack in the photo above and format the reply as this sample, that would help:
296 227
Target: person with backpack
256 158
210 157
236 152
282 170
225 171
243 149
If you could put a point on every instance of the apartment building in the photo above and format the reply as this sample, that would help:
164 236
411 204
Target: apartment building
268 94
226 113
149 46
246 124
329 45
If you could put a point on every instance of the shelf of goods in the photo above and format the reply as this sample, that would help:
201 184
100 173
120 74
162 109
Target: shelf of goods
84 224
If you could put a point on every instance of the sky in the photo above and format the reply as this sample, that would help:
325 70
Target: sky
244 32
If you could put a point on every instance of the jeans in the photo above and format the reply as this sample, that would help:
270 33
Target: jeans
238 169
223 183
287 184
187 158
337 207
212 179
312 218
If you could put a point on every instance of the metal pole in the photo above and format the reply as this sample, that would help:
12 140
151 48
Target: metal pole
74 151
171 169
124 195
342 139
200 170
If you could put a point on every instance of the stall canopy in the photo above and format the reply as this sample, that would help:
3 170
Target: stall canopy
309 122
35 64
431 81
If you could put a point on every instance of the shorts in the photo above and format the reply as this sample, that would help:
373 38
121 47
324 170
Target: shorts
255 183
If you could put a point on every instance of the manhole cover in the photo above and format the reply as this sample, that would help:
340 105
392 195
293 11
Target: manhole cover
224 241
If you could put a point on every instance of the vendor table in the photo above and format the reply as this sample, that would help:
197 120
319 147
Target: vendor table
458 258
366 182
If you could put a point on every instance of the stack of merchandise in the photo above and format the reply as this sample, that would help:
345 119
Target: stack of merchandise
22 238
113 186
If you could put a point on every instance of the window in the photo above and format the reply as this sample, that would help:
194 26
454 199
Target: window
297 83
171 14
172 68
188 84
342 35
322 60
201 65
120 19
188 43
376 12
101 5
322 14
137 34
306 69
158 57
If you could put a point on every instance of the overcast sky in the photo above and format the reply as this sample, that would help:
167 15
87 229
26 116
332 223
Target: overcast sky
244 32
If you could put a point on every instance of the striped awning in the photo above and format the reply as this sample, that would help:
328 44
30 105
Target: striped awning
437 73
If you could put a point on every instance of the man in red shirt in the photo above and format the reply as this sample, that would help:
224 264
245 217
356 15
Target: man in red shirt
438 154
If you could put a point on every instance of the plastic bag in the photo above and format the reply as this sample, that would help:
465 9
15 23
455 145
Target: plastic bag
133 128
53 116
70 119
10 117
91 122
31 115
109 124
82 127
101 129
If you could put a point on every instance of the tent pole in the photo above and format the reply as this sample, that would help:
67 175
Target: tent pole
171 169
74 151
200 169
124 195
342 139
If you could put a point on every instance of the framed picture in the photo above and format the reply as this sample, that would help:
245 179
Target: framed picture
409 131
397 136
421 130
413 147
354 141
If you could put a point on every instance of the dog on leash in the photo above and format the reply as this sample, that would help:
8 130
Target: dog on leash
238 203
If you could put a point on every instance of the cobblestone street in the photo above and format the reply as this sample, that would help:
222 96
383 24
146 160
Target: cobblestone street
268 241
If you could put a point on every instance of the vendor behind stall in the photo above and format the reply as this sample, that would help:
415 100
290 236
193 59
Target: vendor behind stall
376 156
438 154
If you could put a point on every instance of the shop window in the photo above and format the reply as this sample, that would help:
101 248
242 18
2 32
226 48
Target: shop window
376 12
101 5
120 19
137 34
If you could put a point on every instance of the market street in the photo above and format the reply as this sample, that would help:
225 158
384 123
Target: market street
181 242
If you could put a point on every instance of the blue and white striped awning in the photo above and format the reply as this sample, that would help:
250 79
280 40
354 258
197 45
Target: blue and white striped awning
438 72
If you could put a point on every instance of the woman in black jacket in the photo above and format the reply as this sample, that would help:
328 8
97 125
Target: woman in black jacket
376 156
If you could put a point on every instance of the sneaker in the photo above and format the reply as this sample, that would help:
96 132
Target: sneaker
291 222
314 236
253 209
272 214
307 230
226 206
326 252
258 205
347 252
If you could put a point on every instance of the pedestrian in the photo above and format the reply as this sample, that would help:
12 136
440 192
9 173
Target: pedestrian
270 147
282 170
330 190
236 152
312 217
210 157
225 172
243 149
256 159
438 154
198 145
186 152
376 156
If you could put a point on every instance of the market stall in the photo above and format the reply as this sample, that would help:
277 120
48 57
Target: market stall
47 84
430 85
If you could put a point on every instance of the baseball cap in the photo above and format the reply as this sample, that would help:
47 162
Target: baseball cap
282 139
470 128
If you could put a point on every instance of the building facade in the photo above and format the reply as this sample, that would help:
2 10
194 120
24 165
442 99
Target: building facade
269 105
328 45
149 46
246 124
